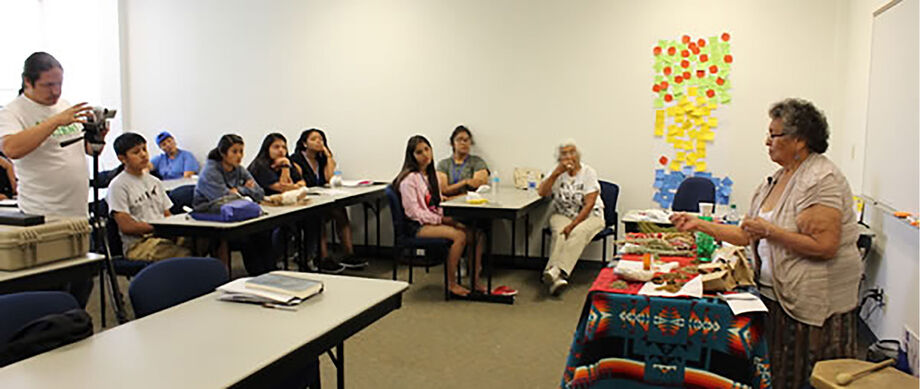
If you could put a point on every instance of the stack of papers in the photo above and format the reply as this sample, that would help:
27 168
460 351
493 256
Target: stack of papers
277 287
357 183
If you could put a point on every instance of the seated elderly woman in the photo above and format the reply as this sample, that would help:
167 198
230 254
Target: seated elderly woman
803 233
577 213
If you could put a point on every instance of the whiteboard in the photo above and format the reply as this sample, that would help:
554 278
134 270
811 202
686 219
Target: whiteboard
891 172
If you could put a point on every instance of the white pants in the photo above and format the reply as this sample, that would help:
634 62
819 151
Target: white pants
564 252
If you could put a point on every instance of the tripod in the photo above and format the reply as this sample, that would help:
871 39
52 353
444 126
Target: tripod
100 236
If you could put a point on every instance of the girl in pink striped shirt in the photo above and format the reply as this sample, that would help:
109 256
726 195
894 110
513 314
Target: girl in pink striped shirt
417 185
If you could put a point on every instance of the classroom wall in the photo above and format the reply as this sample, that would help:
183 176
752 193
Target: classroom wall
893 261
521 74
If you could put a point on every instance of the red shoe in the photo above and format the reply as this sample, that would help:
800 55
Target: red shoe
504 291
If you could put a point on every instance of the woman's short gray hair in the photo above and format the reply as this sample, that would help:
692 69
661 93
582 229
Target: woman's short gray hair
802 120
568 142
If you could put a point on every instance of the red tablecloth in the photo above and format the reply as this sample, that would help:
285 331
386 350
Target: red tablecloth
604 280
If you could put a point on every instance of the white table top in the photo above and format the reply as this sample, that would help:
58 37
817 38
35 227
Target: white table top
51 266
508 197
173 184
270 212
203 343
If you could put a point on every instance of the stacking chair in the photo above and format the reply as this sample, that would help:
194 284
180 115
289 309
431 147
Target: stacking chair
691 192
610 192
169 282
402 241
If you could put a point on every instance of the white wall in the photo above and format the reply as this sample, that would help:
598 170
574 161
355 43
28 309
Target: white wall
521 74
893 262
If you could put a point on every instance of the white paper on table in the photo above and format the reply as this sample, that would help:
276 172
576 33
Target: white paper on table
327 191
744 303
693 288
238 286
356 183
658 267
649 215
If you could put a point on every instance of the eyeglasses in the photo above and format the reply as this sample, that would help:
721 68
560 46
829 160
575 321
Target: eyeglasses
774 136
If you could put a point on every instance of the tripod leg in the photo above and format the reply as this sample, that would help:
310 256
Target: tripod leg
117 302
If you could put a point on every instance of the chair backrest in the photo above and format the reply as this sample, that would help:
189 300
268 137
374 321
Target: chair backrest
181 197
609 194
19 309
111 232
397 213
691 192
174 281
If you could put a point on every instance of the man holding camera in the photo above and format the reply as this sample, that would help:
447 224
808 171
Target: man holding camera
36 132
53 178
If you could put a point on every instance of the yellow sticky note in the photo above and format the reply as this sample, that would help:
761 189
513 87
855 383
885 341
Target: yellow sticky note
670 139
691 159
701 166
679 118
700 145
659 131
701 153
672 111
691 91
687 125
681 156
697 122
712 106
713 122
675 166
700 100
673 130
707 136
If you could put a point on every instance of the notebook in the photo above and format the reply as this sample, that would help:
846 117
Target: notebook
288 283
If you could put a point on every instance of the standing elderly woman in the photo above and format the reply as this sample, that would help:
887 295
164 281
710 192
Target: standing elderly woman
578 213
802 229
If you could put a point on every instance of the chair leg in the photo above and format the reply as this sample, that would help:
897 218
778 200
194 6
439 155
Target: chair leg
604 255
543 244
411 261
396 255
446 289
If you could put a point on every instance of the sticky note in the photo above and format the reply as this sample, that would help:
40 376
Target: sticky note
681 156
701 166
707 136
672 111
713 122
659 174
727 181
712 106
675 166
679 118
691 91
658 103
700 145
701 153
725 99
658 131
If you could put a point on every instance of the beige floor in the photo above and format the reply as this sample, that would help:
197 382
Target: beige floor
430 343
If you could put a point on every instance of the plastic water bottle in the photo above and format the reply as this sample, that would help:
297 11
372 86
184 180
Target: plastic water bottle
496 181
531 182
336 180
732 217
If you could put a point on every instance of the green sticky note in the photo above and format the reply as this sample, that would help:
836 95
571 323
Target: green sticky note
728 84
658 66
658 79
658 103
725 98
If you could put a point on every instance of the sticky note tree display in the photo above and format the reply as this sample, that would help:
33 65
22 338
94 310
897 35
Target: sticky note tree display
691 81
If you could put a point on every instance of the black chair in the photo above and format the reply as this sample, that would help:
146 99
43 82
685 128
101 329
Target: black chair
123 266
19 309
402 241
610 192
691 192
181 197
173 281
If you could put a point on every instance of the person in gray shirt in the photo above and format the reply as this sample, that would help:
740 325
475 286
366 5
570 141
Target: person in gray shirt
461 171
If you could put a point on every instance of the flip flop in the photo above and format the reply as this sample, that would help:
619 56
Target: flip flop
504 291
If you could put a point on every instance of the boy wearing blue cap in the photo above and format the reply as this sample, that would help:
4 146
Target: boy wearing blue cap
173 163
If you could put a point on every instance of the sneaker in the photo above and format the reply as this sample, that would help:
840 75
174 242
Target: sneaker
557 286
550 275
353 262
329 266
504 291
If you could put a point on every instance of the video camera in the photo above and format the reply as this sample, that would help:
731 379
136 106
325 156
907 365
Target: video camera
97 123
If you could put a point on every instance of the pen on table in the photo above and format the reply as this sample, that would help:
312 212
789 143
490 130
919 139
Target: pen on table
277 306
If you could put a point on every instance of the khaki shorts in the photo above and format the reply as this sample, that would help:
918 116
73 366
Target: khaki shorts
153 248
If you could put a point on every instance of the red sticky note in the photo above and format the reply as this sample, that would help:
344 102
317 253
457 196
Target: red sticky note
656 50
667 70
728 58
725 36
686 75
668 98
695 50
700 73
685 39
656 88
671 50
720 81
711 93
678 79
685 64
701 42
685 53
664 85
713 69
704 58
663 160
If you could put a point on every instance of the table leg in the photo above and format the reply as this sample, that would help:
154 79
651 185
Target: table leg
377 217
513 235
526 236
364 207
102 294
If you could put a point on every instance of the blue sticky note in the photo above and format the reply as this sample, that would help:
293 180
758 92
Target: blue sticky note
727 190
659 174
703 174
727 181
688 171
715 180
658 184
667 196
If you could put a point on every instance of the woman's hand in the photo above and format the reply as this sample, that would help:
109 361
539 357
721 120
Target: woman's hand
250 184
326 153
281 162
562 167
757 228
568 230
76 114
684 222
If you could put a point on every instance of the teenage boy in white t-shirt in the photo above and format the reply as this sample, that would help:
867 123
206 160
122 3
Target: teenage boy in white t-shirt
137 198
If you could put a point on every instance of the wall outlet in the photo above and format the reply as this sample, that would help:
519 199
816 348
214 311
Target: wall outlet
420 252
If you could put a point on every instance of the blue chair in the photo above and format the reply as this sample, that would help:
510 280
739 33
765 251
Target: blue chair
181 197
691 192
402 241
610 192
19 309
174 281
